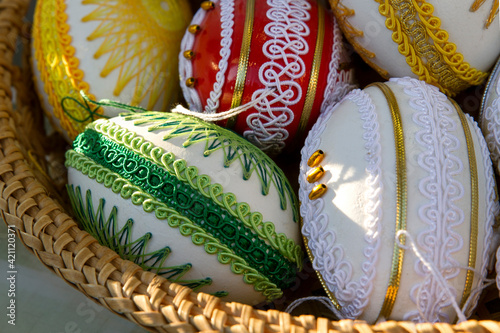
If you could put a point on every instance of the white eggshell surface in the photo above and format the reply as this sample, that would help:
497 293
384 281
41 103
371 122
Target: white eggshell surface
218 172
383 178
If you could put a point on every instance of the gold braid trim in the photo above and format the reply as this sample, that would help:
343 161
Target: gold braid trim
419 37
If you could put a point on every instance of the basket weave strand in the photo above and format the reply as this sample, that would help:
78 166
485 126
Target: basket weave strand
28 201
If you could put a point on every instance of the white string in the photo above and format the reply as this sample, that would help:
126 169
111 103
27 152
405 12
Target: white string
226 114
323 299
432 268
439 278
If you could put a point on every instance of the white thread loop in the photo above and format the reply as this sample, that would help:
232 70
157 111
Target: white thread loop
432 268
226 114
323 299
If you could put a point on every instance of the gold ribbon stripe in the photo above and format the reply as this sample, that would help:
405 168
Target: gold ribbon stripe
401 201
243 62
330 295
474 205
313 80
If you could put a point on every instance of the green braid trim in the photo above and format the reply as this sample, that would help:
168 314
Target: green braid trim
215 138
202 183
186 227
106 231
157 182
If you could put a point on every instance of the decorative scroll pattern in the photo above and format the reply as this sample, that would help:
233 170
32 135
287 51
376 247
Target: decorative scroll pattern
186 227
439 241
339 82
235 150
188 201
287 31
329 260
491 119
491 238
425 45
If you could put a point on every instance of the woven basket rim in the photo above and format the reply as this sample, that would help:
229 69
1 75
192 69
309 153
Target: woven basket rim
146 299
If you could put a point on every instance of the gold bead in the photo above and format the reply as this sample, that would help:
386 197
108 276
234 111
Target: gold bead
207 5
315 158
190 82
315 174
189 54
317 191
194 28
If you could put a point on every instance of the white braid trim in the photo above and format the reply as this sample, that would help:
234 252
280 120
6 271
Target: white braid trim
338 83
438 123
353 296
186 67
490 242
286 30
490 122
226 23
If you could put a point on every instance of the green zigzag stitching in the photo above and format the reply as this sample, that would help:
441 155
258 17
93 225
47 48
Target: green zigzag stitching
179 196
105 231
202 183
187 228
234 147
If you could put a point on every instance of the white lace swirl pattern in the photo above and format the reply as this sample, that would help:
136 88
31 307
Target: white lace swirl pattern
492 118
338 83
287 30
439 241
490 242
353 296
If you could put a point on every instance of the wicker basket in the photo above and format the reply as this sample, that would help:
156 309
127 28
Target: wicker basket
31 178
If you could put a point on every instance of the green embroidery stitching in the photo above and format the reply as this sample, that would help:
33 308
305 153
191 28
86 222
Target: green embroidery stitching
106 231
92 113
187 228
201 183
215 138
189 202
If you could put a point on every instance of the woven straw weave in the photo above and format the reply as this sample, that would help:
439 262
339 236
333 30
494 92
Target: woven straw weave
32 175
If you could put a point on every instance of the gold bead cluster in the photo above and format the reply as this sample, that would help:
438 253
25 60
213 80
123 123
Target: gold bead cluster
315 174
194 29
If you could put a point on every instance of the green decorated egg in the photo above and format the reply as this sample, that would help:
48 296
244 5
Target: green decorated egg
188 200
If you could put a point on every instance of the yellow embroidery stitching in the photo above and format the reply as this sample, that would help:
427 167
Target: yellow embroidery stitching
57 63
423 38
141 40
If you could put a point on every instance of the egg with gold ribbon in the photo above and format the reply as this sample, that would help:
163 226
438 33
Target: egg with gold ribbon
124 50
188 200
449 44
398 202
283 60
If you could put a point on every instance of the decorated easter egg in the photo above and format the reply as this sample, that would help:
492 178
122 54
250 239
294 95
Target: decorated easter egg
279 62
398 199
489 115
188 200
449 44
123 50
